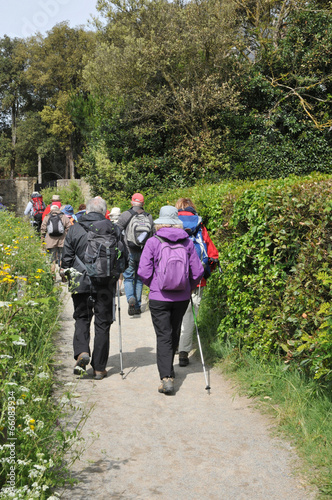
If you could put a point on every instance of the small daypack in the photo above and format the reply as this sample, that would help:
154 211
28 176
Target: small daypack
54 225
138 229
192 224
101 254
172 266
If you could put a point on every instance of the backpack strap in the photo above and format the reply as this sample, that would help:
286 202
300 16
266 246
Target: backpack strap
159 238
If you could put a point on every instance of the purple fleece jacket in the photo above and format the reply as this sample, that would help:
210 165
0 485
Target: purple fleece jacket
149 259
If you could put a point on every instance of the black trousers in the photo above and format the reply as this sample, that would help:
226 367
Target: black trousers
167 319
99 305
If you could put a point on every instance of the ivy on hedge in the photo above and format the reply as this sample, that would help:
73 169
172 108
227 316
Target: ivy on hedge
274 296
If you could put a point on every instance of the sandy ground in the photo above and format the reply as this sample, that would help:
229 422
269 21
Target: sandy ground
192 445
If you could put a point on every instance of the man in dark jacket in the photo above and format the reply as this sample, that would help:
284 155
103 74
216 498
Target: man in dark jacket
132 283
91 296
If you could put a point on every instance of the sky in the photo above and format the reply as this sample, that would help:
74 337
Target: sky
23 18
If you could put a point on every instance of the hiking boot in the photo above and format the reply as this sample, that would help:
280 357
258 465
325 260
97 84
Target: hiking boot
131 306
183 358
138 311
82 360
99 375
167 385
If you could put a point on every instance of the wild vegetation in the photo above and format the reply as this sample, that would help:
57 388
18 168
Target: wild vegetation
163 94
229 103
35 432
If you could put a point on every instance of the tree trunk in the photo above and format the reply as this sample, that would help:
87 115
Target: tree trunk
39 169
70 156
67 166
13 161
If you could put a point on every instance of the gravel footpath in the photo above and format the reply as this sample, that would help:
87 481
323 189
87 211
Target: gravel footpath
188 446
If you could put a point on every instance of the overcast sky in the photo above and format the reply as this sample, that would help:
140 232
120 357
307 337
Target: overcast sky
23 18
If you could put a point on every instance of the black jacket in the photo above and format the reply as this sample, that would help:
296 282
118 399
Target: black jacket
75 244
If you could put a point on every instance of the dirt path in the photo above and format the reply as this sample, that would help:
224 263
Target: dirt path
188 446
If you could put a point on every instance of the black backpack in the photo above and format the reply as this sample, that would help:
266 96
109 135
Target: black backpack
103 252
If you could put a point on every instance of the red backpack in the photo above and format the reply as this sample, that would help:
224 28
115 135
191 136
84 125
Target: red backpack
38 205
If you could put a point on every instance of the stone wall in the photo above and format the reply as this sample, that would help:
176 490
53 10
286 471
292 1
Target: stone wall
17 192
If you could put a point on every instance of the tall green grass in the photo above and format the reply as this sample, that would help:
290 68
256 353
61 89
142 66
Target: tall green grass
34 431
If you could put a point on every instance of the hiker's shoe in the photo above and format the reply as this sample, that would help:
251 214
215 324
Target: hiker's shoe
99 375
82 360
166 386
131 306
183 358
138 311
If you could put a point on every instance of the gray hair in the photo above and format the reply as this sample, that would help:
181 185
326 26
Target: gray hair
160 226
96 204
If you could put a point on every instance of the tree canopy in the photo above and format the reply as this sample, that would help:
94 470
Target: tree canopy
170 93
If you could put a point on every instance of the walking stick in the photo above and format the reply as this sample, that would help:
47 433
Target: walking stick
207 388
120 335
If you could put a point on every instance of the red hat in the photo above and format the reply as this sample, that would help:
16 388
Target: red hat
137 199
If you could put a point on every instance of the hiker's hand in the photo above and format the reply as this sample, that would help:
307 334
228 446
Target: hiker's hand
63 276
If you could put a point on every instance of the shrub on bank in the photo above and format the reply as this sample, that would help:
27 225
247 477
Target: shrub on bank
32 441
274 295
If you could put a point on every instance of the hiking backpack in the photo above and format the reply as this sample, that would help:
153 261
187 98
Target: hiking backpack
54 225
138 229
192 224
38 206
172 266
102 254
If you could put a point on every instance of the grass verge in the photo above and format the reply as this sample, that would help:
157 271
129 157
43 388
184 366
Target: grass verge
36 431
301 408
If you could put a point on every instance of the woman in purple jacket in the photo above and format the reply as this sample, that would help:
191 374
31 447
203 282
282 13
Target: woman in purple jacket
170 267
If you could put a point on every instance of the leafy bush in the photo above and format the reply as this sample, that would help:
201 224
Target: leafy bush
70 195
32 440
274 295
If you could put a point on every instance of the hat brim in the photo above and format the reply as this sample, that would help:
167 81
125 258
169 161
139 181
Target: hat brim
168 221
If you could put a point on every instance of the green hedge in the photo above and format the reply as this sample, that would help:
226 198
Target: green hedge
274 294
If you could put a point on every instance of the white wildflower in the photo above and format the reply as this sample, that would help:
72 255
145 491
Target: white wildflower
23 462
43 375
20 402
24 389
37 399
5 356
20 341
40 467
33 473
11 383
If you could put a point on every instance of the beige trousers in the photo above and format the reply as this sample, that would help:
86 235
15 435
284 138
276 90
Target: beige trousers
188 323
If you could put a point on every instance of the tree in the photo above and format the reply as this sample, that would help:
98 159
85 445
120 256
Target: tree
13 90
55 69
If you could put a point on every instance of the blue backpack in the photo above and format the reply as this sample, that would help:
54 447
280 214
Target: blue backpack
172 266
192 224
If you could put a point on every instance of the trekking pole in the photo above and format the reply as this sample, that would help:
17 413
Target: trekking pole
207 388
120 335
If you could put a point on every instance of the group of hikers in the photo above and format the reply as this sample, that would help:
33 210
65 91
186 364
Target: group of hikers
95 249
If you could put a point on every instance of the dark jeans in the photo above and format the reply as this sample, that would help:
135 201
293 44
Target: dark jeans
99 304
167 319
